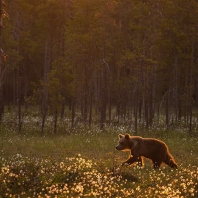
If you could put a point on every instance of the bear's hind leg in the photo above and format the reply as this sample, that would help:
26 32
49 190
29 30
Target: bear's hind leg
156 164
170 161
140 161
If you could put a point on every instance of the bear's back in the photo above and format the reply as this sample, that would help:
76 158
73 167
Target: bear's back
150 147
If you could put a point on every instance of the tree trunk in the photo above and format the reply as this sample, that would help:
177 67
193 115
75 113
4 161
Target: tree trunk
191 88
102 99
62 109
167 111
190 124
196 91
146 114
73 113
47 66
110 107
1 103
55 120
19 115
90 112
1 65
43 123
176 88
136 116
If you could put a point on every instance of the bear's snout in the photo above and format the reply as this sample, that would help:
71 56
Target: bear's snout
117 147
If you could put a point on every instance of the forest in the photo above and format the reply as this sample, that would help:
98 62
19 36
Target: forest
100 61
75 74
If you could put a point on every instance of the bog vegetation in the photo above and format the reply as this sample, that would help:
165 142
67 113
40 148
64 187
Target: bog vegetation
83 162
76 73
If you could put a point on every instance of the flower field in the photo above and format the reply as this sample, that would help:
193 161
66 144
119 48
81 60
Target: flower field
84 163
78 177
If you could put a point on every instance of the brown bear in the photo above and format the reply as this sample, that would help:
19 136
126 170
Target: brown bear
151 148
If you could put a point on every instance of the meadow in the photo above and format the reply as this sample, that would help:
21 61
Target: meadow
83 162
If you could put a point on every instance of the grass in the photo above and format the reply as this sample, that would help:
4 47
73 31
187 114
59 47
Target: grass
84 163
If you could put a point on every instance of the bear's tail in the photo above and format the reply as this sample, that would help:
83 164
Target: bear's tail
170 161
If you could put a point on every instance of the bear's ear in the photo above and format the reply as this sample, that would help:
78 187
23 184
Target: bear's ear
120 136
127 136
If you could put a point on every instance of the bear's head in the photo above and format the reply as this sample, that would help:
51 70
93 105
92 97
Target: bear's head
124 142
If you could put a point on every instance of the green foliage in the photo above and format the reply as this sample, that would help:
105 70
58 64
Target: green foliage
61 83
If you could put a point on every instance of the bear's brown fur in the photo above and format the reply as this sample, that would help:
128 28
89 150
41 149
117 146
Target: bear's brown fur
151 148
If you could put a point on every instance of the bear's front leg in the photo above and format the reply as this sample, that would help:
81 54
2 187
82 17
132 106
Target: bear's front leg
130 160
